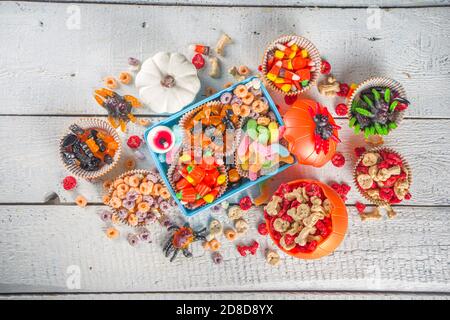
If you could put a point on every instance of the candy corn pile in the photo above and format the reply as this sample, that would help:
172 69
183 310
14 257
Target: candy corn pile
289 67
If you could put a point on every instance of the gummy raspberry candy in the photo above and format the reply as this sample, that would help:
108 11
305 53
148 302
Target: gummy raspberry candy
260 68
325 67
245 203
386 194
289 239
343 90
69 183
290 99
360 207
345 188
359 151
262 229
253 248
341 109
338 160
408 196
134 142
311 246
282 189
242 250
401 106
313 189
198 61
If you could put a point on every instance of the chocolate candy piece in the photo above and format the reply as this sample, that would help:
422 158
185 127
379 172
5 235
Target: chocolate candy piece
69 140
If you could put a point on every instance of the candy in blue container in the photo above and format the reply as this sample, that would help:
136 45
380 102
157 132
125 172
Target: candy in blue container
218 147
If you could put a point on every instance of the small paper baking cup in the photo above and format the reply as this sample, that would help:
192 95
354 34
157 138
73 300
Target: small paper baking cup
303 43
187 136
92 123
129 174
378 82
222 169
379 202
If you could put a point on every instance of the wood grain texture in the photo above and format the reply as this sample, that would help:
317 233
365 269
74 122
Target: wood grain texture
236 295
47 68
280 3
31 168
409 253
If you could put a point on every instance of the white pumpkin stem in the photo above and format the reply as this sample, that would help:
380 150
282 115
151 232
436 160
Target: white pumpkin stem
168 81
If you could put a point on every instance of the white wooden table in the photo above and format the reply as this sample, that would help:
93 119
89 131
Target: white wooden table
50 65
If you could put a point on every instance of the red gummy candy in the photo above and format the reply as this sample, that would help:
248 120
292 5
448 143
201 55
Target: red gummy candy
362 169
198 61
313 189
311 246
134 142
290 99
343 90
360 207
325 67
408 196
401 106
338 160
69 183
253 247
386 194
390 182
262 229
359 151
260 68
245 203
341 109
242 250
283 188
345 188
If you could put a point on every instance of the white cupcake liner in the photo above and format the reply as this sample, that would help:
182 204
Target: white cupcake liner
378 82
92 123
303 43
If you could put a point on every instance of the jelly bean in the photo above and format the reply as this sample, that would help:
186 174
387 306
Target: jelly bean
233 175
252 176
221 179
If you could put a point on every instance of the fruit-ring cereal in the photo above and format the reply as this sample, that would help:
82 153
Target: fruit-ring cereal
164 193
146 188
248 98
240 91
112 233
107 184
243 70
143 207
134 181
122 188
106 199
111 83
81 201
125 77
130 164
214 245
133 220
230 234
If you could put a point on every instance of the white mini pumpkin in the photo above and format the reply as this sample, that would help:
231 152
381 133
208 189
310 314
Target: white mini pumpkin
167 82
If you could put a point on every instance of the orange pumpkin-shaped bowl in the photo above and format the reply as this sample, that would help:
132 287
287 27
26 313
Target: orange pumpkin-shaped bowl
339 223
300 133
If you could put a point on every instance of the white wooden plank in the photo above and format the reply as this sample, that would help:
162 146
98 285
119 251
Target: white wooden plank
38 244
30 168
281 3
47 68
271 295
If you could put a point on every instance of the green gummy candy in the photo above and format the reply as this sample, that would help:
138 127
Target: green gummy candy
251 124
179 195
355 104
263 136
376 94
364 112
367 100
267 164
372 130
366 132
393 106
352 122
357 128
392 125
378 128
304 83
387 95
189 169
252 133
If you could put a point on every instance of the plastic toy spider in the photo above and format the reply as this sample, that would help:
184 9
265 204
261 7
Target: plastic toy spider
180 239
118 107
324 129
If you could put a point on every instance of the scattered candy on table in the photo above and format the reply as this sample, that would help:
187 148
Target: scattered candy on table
69 183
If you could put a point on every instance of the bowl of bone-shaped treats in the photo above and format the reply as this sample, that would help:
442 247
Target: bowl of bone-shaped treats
306 219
